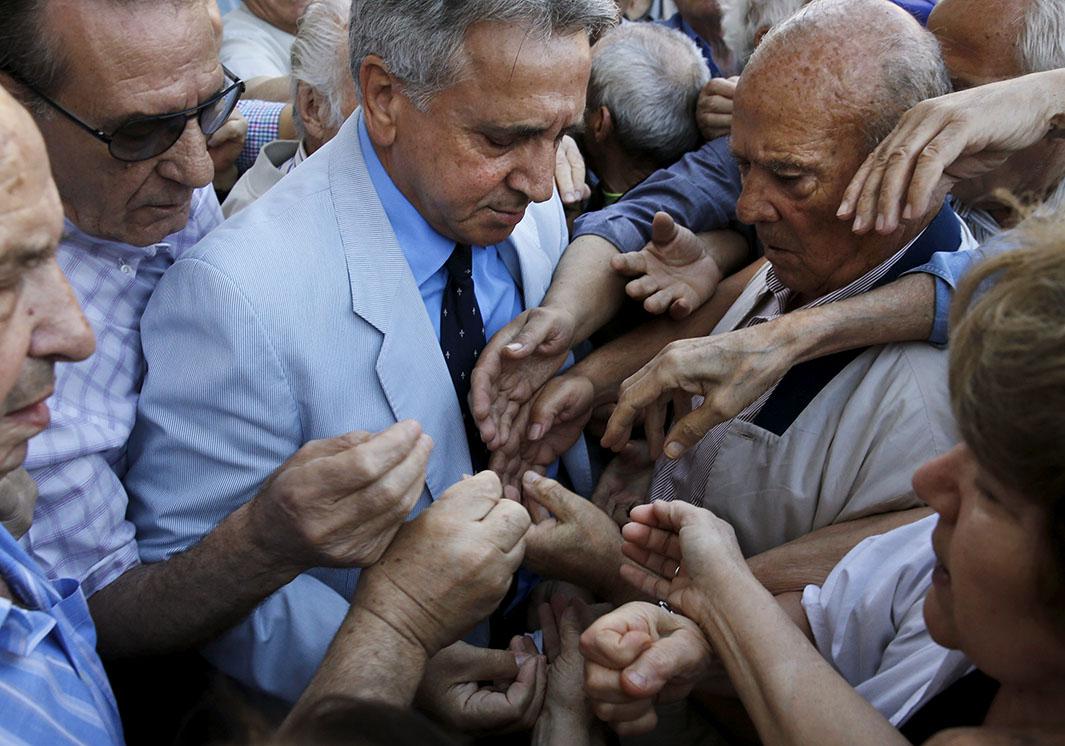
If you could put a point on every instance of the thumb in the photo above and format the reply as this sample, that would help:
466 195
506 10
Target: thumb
550 494
492 665
691 428
663 229
667 658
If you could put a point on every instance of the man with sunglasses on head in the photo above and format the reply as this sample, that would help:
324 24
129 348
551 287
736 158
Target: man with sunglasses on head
126 108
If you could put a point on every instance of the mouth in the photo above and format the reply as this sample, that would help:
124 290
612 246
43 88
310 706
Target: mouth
510 217
35 414
940 573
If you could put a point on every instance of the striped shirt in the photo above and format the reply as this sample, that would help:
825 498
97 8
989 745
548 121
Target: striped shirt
264 126
686 478
79 525
52 683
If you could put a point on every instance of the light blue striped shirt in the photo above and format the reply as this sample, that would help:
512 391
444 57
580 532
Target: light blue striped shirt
52 683
79 526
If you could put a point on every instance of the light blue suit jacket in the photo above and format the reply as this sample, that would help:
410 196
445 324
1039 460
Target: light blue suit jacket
298 319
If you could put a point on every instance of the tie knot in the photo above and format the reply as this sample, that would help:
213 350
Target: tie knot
460 263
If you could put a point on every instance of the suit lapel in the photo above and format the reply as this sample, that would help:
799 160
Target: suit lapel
410 367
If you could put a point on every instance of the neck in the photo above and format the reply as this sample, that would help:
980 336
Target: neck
1032 706
618 173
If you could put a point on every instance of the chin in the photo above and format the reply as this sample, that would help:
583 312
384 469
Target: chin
939 622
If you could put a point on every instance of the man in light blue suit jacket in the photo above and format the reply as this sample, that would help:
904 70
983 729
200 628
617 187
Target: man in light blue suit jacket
316 311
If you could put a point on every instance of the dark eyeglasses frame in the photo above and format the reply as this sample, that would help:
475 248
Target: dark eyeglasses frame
187 114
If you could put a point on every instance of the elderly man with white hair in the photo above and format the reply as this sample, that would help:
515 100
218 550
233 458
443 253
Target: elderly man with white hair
323 96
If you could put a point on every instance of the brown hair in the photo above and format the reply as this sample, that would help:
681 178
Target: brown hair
1007 369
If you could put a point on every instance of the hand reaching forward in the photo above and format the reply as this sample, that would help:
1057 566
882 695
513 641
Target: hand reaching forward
943 140
625 482
453 689
570 173
339 502
682 554
636 656
18 497
729 370
514 365
713 112
449 567
675 272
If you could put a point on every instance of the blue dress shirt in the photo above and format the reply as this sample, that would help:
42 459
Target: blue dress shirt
52 683
498 294
678 23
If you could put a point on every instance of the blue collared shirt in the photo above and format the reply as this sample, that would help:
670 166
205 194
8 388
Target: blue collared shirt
498 294
52 683
678 23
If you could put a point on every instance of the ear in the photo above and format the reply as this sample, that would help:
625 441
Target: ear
311 106
381 100
601 124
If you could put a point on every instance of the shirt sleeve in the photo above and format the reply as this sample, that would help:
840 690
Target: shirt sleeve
699 191
264 118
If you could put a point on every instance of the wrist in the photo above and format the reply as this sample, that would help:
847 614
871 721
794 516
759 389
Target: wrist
258 550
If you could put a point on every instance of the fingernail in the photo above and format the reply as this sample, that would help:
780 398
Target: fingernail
531 477
844 209
859 224
907 213
515 346
673 450
638 679
520 658
880 223
535 432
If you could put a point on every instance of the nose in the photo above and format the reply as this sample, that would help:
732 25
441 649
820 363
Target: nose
534 173
938 482
754 204
188 161
60 329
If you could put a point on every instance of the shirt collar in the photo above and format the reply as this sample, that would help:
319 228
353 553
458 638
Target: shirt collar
95 246
424 248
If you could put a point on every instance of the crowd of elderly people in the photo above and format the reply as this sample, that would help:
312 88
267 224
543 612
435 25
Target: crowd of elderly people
540 371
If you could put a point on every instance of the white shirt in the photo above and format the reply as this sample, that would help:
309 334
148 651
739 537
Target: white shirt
275 160
252 48
868 622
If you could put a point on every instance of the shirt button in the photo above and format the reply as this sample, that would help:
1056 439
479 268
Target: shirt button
149 252
126 269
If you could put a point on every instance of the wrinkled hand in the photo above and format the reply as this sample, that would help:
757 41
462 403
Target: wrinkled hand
18 497
665 536
449 567
562 622
514 365
674 272
577 543
224 147
625 482
943 140
729 370
339 502
713 112
636 656
546 427
570 173
452 689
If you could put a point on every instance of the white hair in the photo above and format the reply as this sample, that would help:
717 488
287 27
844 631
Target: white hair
421 41
741 21
1041 45
649 77
319 56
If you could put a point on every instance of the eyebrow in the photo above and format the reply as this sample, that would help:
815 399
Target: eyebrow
528 131
779 165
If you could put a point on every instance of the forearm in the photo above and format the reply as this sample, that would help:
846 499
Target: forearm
809 559
189 598
269 89
608 366
791 693
368 659
585 286
902 311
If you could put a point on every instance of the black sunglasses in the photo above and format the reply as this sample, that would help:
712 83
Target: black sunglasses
146 137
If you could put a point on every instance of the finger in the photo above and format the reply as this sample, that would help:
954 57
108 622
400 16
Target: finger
657 564
643 581
642 287
507 524
623 712
473 499
537 511
690 429
663 229
654 425
630 264
613 642
656 540
552 637
571 624
645 724
487 664
928 173
482 390
528 687
681 308
366 462
660 301
538 334
545 409
671 657
564 174
552 495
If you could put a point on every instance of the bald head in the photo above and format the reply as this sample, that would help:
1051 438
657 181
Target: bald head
865 59
25 179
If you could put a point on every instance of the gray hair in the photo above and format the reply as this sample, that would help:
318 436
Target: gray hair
421 41
911 65
741 20
318 55
649 77
1042 40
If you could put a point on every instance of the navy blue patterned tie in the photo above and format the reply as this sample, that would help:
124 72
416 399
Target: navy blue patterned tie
462 339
